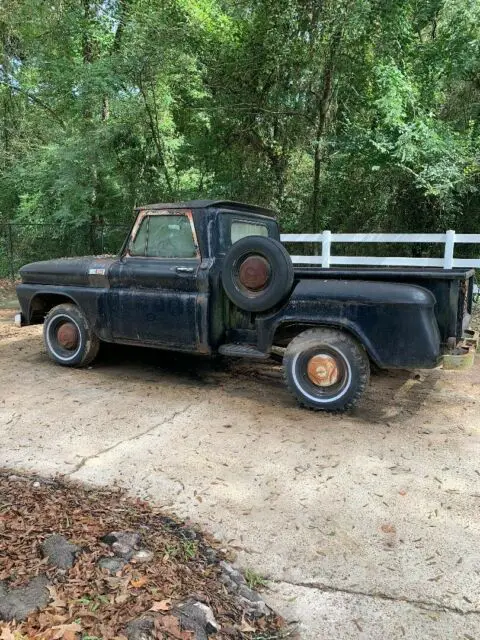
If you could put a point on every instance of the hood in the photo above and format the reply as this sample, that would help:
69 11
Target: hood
89 270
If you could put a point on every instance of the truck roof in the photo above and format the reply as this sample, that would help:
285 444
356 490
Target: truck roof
206 204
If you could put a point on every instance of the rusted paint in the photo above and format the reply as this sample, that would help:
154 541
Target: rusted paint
67 336
254 273
322 370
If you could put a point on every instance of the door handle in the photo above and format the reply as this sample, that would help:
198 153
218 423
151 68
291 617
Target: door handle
184 269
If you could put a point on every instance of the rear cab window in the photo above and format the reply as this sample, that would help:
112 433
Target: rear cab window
242 228
234 226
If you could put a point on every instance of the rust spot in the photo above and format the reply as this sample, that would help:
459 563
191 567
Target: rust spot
254 273
323 370
67 336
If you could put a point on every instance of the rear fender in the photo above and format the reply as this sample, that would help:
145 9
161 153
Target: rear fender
394 322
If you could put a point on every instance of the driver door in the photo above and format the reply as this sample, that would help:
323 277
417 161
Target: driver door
154 296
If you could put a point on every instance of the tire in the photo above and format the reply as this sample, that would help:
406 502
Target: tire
326 369
249 257
68 338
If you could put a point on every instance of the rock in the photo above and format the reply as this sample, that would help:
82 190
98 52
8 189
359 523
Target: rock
248 599
127 538
18 604
15 478
112 565
143 555
210 555
228 582
188 534
255 609
197 617
122 550
234 575
140 629
248 594
59 551
123 543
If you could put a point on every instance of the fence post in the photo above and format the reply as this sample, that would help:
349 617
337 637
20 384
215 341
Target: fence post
449 249
10 250
326 243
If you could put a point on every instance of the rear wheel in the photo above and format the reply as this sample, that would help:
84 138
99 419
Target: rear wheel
326 369
69 340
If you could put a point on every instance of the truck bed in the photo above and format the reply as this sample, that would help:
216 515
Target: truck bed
452 288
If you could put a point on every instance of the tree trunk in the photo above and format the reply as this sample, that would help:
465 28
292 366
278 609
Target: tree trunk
323 106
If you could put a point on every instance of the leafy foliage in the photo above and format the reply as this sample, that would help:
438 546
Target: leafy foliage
351 114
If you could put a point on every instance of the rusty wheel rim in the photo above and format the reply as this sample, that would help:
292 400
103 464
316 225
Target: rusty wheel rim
323 370
67 336
254 272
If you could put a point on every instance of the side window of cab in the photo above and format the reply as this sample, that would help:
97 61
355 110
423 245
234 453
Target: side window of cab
164 236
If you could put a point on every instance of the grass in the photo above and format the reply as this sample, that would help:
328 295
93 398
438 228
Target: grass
254 579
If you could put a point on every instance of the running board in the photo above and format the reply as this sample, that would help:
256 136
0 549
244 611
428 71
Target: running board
242 351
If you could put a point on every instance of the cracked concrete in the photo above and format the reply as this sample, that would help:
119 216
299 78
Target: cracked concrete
422 604
365 523
335 615
102 452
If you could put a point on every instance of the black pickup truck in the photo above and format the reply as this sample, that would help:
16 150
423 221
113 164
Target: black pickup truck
211 277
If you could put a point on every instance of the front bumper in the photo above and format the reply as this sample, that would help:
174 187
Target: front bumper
463 355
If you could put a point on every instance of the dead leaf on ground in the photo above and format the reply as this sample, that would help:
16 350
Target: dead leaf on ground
246 628
139 582
57 602
388 528
171 625
163 605
7 634
66 631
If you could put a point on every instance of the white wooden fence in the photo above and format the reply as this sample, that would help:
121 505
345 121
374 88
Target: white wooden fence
326 259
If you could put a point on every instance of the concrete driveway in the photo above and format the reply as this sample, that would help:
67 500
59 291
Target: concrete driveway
366 524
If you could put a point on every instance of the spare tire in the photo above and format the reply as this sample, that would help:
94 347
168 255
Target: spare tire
257 273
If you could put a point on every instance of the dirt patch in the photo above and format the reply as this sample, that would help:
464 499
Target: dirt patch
86 600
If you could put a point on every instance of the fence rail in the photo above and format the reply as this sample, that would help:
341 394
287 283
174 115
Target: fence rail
326 259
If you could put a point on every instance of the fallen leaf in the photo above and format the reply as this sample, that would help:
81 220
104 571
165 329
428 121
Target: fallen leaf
163 605
246 628
57 602
388 528
7 634
66 631
122 598
171 625
139 582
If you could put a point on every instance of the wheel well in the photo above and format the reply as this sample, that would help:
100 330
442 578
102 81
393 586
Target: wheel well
43 302
286 332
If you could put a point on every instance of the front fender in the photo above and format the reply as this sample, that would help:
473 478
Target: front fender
395 322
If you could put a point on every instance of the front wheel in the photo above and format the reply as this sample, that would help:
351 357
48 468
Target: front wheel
326 369
69 340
